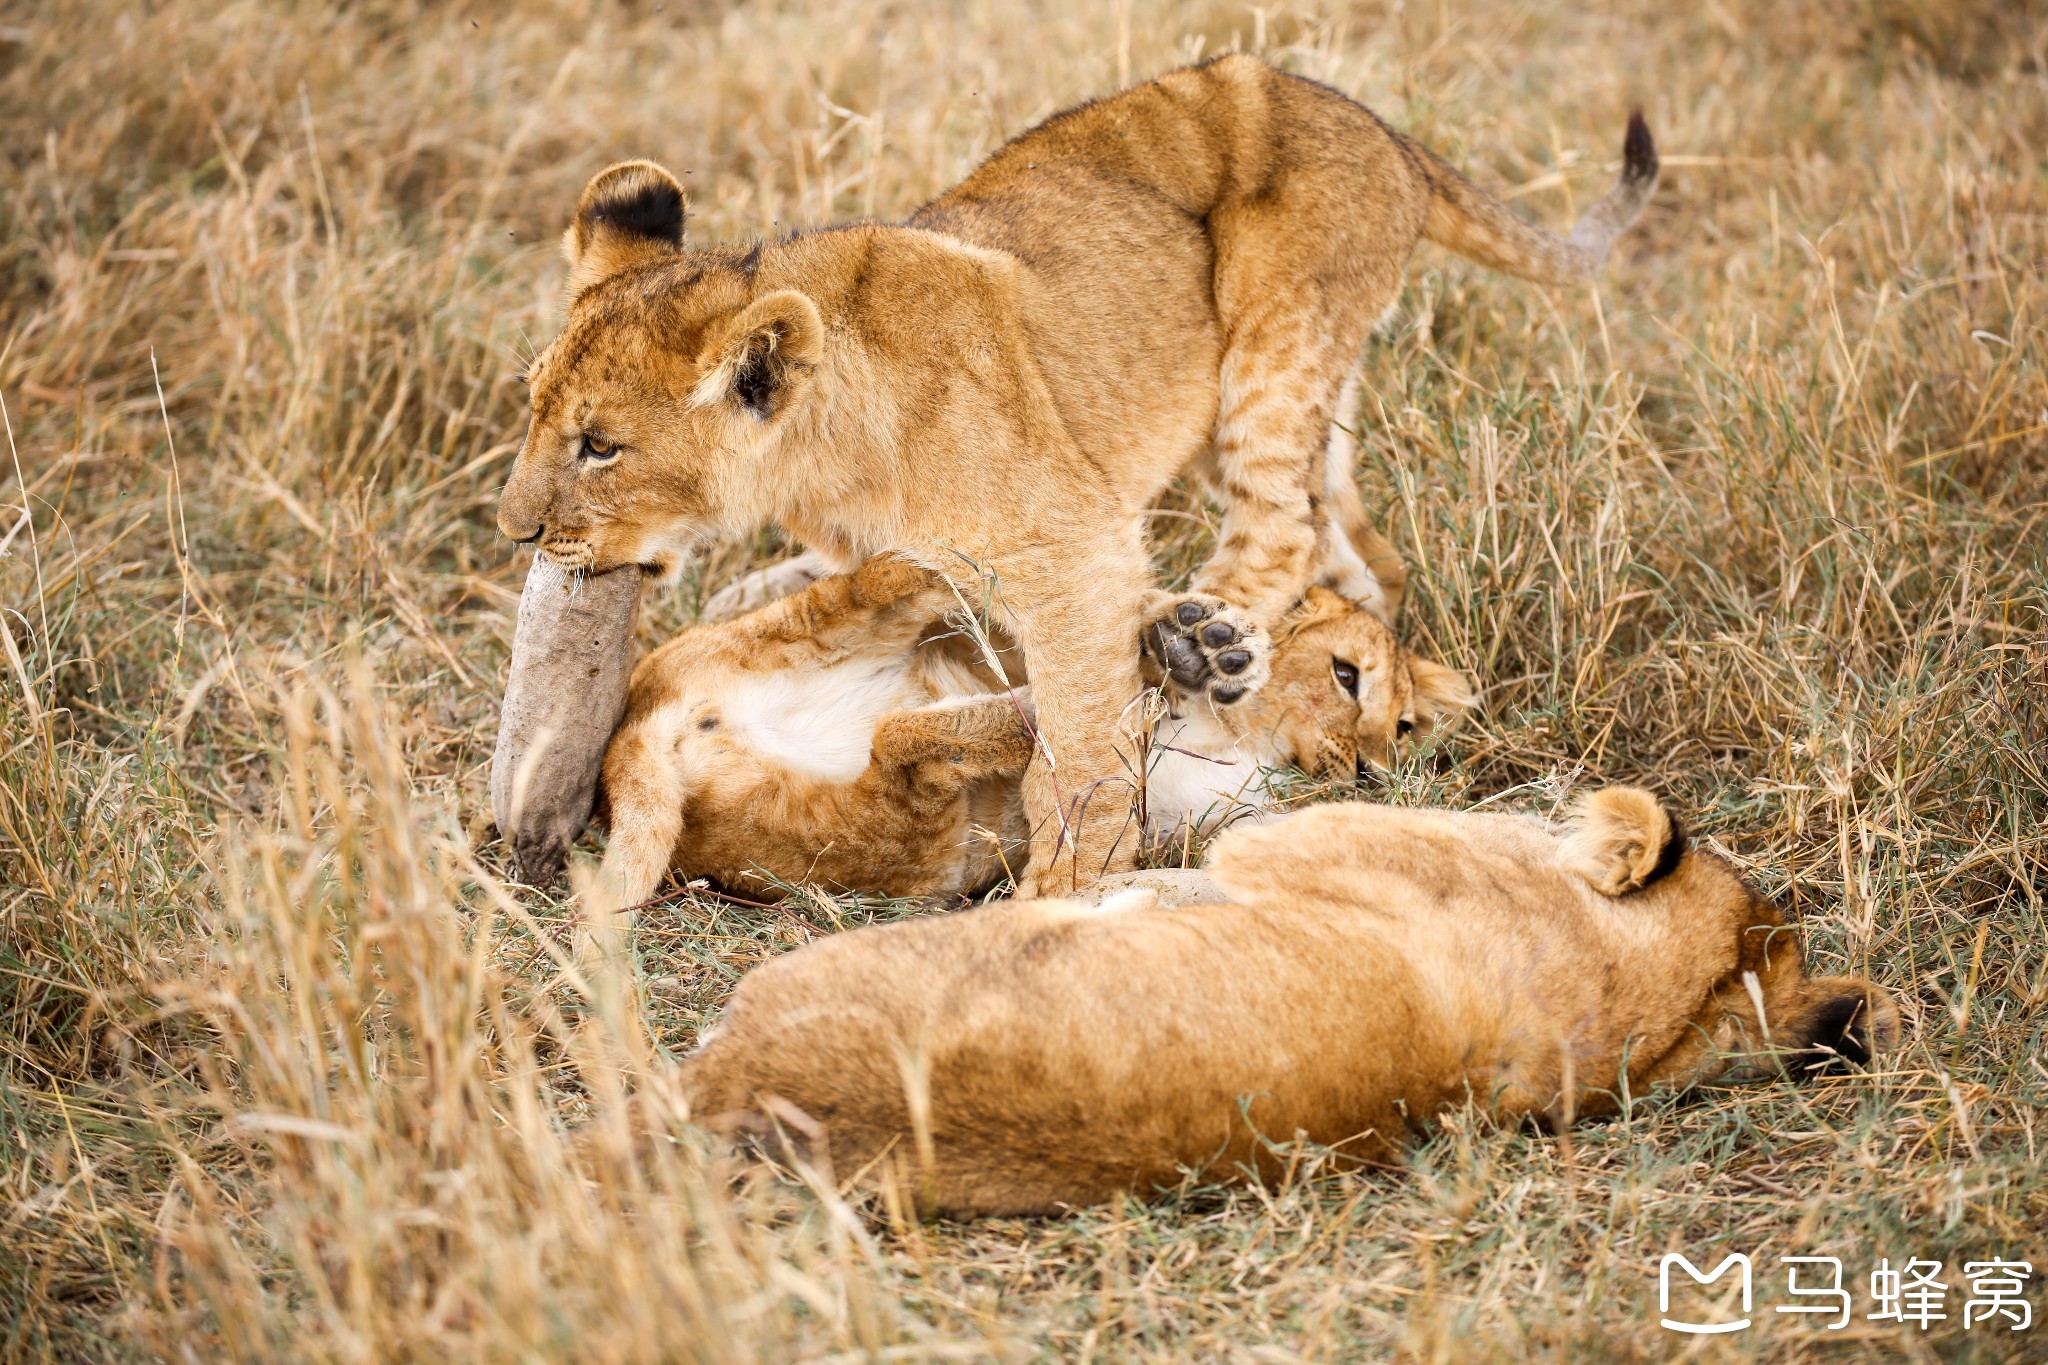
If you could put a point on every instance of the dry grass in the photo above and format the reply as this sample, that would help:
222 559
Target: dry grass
286 1072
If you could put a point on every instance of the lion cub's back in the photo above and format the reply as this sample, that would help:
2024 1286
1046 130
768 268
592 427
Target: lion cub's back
1069 1050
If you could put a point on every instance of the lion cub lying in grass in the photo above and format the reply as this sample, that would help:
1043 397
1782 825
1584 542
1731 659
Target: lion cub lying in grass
848 736
1370 967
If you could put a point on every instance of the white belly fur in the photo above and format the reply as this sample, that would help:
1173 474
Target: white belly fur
820 722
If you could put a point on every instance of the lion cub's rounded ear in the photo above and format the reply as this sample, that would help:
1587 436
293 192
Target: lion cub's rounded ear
769 349
629 214
1318 604
1621 839
1838 1017
1439 694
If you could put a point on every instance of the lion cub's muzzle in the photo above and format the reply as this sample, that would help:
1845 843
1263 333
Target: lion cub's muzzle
572 554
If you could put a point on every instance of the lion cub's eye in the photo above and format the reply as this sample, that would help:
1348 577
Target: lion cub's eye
596 447
1404 727
1346 675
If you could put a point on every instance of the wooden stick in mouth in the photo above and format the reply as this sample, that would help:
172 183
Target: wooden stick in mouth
572 656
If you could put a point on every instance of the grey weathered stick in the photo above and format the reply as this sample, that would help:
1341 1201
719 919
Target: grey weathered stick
572 656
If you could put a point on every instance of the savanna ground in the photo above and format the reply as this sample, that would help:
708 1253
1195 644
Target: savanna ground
287 1071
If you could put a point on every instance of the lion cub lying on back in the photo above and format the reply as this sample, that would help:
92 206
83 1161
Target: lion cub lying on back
1371 967
848 736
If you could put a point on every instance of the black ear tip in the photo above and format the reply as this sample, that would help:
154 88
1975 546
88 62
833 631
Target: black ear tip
1674 850
1852 1042
643 206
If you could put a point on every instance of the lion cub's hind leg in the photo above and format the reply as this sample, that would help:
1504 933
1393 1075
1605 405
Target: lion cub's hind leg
1357 561
952 742
940 807
1298 286
1279 391
874 613
880 609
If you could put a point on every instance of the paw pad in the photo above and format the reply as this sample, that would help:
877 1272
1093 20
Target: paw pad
1203 644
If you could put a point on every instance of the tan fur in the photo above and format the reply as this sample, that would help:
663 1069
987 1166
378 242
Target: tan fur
1372 967
1616 838
936 809
686 786
1176 277
1399 695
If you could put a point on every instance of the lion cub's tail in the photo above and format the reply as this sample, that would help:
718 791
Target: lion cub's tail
1466 219
1621 839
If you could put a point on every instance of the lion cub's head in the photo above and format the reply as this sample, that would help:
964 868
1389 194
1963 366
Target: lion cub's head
1765 1013
1345 691
670 382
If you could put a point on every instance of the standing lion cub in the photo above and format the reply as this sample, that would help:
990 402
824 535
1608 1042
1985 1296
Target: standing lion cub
1368 968
1177 277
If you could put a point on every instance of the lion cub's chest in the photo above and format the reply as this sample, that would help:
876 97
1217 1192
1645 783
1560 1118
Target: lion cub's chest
1201 776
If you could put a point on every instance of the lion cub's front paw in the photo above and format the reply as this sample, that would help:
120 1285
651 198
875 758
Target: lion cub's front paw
1204 645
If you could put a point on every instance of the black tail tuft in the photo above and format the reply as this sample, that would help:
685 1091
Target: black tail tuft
1638 150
